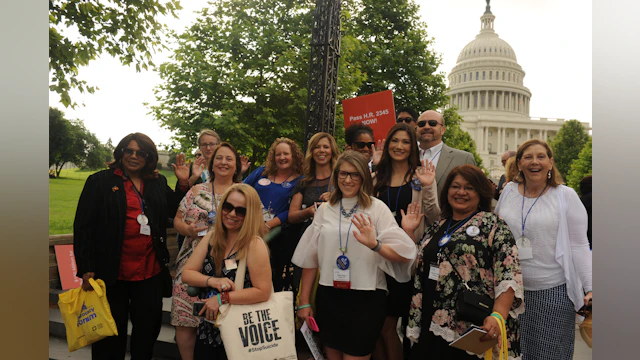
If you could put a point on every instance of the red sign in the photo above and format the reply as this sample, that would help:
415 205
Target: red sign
67 267
375 110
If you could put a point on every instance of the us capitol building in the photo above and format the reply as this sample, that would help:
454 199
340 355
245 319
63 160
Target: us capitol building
487 87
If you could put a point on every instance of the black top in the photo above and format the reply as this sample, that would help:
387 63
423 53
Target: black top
586 201
395 202
98 228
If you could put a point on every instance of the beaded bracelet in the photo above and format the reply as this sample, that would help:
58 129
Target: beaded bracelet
302 307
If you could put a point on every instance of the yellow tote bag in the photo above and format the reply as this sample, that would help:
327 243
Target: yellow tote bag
87 315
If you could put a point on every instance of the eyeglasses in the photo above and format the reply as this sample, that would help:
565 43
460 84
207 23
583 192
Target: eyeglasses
362 144
405 119
355 176
139 153
432 123
228 208
208 145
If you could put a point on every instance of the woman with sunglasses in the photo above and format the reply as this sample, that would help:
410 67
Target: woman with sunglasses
236 235
119 236
359 138
399 181
354 240
194 218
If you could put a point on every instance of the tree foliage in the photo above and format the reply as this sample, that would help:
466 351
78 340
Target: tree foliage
81 30
581 166
566 145
71 142
242 69
457 138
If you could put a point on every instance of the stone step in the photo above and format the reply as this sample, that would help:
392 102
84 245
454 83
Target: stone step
165 347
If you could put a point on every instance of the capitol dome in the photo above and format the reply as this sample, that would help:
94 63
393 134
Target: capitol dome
486 45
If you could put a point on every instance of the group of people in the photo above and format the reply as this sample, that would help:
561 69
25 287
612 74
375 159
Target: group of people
378 235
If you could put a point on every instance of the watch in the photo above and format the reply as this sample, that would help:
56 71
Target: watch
377 247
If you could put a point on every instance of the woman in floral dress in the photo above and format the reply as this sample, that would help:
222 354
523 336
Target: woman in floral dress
195 216
469 244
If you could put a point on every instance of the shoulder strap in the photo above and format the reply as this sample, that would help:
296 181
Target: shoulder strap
242 269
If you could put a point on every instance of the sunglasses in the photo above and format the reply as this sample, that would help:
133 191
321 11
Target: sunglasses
362 144
139 153
432 123
406 119
355 176
198 155
228 208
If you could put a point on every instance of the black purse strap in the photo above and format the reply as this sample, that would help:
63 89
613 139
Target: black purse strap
454 269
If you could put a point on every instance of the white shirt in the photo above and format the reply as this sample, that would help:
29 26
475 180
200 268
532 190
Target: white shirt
432 154
320 243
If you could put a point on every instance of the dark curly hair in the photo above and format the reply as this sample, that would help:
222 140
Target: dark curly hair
355 130
145 143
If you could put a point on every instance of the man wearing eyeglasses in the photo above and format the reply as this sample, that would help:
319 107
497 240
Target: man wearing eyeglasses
430 128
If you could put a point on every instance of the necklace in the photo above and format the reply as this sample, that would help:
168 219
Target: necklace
344 213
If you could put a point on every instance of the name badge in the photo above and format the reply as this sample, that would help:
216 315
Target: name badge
434 272
268 215
230 264
341 279
525 251
201 232
145 229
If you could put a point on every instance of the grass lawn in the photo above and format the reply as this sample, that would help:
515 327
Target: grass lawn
64 193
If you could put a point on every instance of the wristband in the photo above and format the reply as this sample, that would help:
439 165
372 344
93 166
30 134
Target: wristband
377 247
302 307
497 315
207 282
267 225
225 298
219 300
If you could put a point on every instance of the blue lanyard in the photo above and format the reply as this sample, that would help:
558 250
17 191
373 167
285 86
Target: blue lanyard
318 186
140 198
524 218
397 197
434 156
447 233
344 249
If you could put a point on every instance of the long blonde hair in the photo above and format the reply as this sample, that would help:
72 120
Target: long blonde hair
252 226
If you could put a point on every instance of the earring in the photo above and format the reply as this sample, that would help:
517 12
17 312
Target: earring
549 175
517 178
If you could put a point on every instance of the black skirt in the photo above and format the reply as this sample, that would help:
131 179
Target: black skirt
399 298
350 321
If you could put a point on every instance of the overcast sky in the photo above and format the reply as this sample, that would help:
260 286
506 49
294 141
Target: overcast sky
551 39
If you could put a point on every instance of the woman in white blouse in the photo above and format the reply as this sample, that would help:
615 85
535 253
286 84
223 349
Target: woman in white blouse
351 295
549 223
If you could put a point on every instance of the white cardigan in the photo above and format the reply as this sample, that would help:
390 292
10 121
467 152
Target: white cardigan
572 252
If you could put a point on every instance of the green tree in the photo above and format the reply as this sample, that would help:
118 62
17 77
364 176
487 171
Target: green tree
566 145
396 52
66 140
81 30
457 138
581 166
243 69
97 155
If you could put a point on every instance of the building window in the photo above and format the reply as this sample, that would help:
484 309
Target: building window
490 72
506 147
485 49
490 133
489 49
489 147
483 77
503 76
459 78
477 75
506 134
465 77
519 136
509 77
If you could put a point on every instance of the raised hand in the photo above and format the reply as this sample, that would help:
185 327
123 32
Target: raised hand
198 166
426 174
377 152
244 161
366 236
412 218
180 168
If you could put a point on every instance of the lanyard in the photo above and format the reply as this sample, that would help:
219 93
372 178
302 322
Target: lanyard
140 198
344 249
434 156
318 187
523 216
397 197
284 184
447 234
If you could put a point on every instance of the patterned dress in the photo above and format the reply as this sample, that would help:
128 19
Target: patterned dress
208 334
195 207
488 262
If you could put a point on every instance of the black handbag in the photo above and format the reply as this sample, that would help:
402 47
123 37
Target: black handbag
471 306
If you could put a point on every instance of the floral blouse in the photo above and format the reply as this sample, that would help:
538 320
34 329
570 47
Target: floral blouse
488 262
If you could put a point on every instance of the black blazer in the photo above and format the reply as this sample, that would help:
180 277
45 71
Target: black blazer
98 228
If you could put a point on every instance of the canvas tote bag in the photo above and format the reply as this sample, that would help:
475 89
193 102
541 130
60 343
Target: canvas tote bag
263 331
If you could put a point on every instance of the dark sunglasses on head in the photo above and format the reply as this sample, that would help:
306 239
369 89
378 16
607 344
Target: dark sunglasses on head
362 144
585 310
405 119
432 123
139 153
240 211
